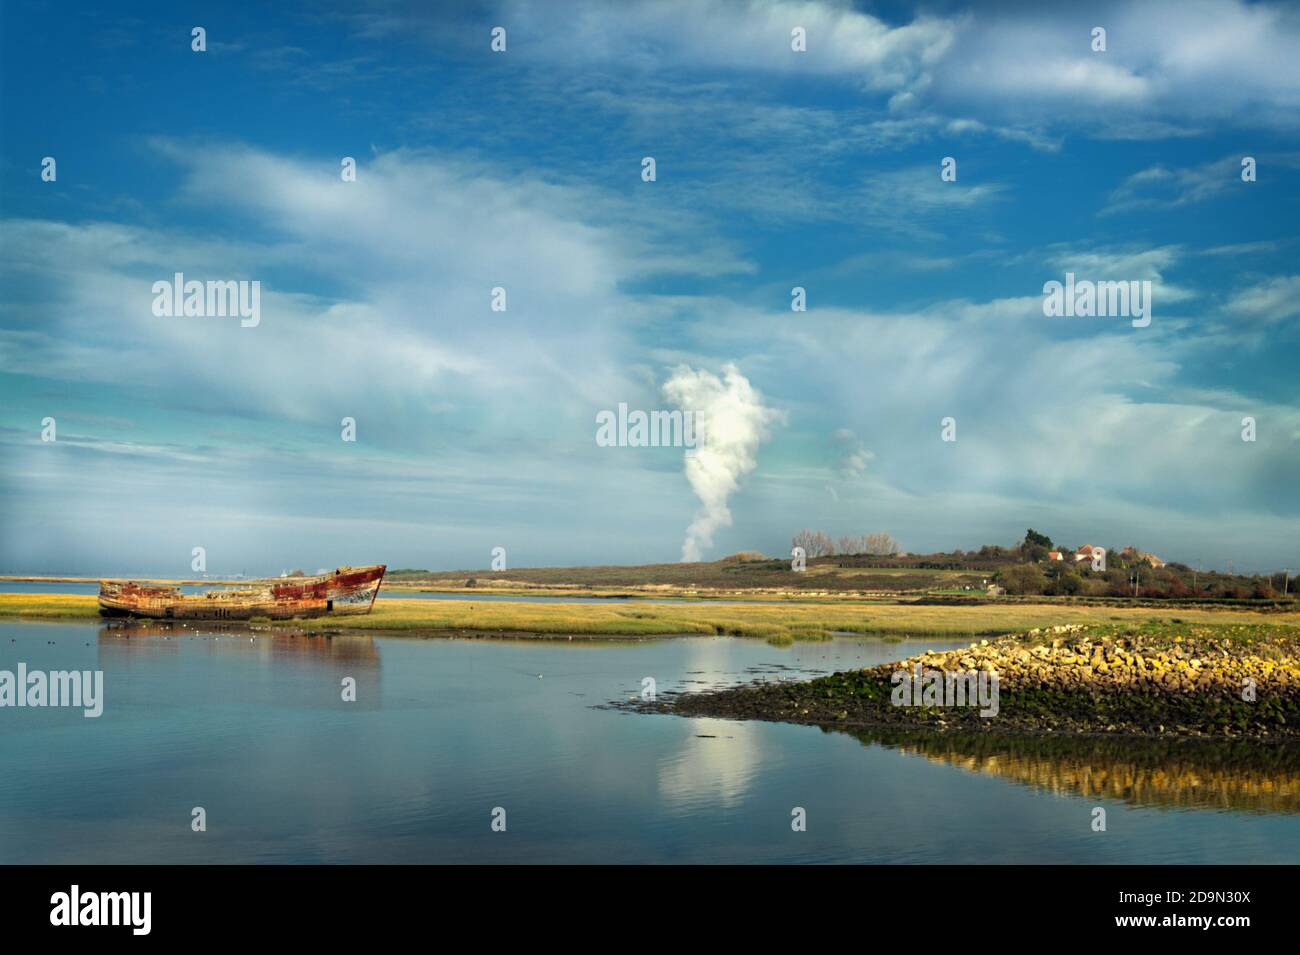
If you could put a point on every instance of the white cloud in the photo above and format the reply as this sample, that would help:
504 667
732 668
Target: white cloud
1167 63
1127 264
715 34
1159 187
1051 417
410 252
1269 301
854 456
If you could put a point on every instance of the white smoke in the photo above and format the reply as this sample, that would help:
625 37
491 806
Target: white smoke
732 423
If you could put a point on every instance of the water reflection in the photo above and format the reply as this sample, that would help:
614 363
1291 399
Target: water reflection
1179 774
307 663
250 721
714 765
283 641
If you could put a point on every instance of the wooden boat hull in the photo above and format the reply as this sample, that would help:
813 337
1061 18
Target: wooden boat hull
348 590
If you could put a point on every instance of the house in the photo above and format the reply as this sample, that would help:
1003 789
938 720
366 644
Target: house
1084 552
1055 555
995 591
1134 555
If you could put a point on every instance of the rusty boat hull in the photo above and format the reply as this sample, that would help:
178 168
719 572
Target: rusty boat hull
348 590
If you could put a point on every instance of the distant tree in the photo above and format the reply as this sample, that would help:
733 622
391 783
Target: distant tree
882 545
1118 581
1062 578
1032 537
876 545
1094 586
814 543
1068 584
1023 579
1035 545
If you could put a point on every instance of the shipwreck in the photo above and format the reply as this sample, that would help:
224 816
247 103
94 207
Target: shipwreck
348 590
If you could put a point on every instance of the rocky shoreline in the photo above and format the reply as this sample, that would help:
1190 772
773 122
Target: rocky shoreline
1160 680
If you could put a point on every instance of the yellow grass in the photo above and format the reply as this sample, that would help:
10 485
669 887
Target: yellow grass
780 622
48 605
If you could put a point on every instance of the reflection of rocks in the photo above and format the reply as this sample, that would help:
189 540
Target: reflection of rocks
1175 773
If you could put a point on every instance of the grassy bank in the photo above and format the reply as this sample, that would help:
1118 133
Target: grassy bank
779 622
721 576
1022 570
1153 678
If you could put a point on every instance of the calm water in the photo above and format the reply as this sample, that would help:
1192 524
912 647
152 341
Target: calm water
49 587
445 730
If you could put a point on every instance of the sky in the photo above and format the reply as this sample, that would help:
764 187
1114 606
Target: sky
523 169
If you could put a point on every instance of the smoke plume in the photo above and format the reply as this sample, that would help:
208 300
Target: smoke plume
732 423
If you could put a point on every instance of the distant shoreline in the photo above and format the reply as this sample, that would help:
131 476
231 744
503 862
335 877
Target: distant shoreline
14 578
707 594
780 621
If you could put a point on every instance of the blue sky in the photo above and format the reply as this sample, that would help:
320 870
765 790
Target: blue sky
522 169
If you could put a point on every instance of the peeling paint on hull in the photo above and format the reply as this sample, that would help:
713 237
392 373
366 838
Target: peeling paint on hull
348 590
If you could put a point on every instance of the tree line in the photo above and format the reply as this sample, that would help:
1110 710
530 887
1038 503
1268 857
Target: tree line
820 544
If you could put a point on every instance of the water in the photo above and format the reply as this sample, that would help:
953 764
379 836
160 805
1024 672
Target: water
251 727
49 587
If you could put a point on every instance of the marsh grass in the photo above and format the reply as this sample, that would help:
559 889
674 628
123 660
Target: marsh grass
48 606
782 623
